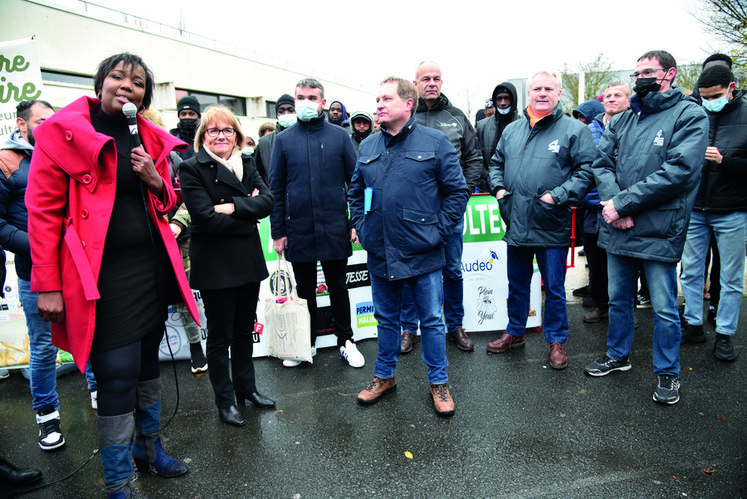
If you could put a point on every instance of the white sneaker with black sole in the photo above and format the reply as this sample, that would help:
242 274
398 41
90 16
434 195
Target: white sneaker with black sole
50 435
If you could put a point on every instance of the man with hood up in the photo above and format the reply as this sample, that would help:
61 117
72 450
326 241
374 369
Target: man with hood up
337 114
588 110
285 111
188 111
489 130
362 127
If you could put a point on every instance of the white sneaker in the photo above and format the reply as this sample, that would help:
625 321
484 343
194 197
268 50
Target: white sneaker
350 353
4 373
295 363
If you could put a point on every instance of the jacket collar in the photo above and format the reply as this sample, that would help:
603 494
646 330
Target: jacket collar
657 101
439 105
406 130
556 114
313 123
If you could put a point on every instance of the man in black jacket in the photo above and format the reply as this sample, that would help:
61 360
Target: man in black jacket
720 209
435 111
188 111
490 129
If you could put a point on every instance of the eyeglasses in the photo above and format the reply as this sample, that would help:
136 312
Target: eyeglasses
214 132
645 73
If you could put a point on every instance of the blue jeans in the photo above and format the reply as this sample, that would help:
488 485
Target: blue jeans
43 353
90 378
453 288
662 285
729 230
428 293
552 266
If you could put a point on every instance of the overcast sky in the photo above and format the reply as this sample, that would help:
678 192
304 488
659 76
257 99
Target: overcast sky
477 43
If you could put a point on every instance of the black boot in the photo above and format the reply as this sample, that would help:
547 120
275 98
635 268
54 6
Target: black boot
15 476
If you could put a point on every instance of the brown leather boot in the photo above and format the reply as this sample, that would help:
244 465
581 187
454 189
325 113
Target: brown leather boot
506 342
377 388
461 339
558 358
408 340
442 400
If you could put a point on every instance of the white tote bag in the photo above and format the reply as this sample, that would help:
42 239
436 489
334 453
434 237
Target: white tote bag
287 321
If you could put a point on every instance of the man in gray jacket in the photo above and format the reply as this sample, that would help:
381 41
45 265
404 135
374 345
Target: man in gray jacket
542 165
647 174
435 111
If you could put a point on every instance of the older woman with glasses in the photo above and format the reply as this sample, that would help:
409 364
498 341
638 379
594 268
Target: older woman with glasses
226 197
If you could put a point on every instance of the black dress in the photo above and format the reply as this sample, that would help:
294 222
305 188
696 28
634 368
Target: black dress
136 278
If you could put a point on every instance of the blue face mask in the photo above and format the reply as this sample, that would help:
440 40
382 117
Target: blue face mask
715 105
286 120
503 111
306 109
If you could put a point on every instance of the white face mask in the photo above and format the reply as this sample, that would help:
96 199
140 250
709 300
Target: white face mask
287 119
247 150
503 111
306 109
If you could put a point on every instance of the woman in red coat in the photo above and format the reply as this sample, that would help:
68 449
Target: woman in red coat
105 263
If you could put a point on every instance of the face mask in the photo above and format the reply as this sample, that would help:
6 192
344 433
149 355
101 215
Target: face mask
644 86
287 120
189 124
503 111
306 110
715 105
247 150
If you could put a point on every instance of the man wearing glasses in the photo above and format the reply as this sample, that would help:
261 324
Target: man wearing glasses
647 175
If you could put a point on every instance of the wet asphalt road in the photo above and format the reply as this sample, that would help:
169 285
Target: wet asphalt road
521 429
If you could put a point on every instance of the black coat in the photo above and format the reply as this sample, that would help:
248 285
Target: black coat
225 250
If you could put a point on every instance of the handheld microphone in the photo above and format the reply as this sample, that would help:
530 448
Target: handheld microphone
130 111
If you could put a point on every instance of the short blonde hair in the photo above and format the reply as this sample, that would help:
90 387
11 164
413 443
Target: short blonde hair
218 112
405 90
552 74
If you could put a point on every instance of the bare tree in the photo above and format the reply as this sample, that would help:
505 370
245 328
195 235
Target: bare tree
597 74
727 20
687 76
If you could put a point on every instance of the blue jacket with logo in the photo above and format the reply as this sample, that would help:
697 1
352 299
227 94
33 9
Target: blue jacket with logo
554 156
418 196
311 165
650 161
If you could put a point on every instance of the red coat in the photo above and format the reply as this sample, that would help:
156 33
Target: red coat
70 197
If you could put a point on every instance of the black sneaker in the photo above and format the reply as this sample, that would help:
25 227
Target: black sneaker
723 349
50 435
711 316
692 334
668 391
197 357
606 365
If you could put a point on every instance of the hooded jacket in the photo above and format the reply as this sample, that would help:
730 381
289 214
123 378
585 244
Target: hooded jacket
554 156
312 164
452 122
344 122
589 110
70 196
489 130
15 160
723 188
650 161
354 134
418 197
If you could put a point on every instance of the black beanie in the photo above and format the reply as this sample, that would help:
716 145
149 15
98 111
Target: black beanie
188 102
284 99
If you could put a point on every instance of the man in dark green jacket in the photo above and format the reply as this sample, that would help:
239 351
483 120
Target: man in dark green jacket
647 174
542 165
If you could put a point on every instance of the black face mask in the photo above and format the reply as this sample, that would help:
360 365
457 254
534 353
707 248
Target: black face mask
189 124
644 86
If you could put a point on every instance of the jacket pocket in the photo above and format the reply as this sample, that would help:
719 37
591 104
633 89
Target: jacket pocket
661 222
422 233
550 217
418 167
504 207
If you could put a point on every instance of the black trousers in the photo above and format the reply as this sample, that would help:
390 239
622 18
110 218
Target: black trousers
119 370
597 258
335 277
231 314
